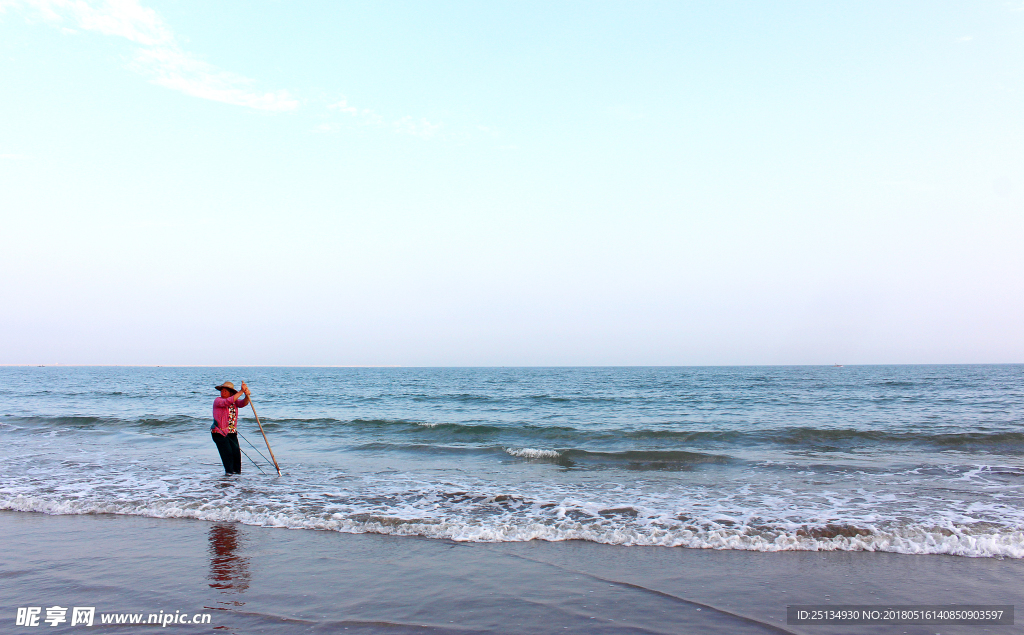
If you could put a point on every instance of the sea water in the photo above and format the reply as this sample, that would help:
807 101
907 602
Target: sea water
908 459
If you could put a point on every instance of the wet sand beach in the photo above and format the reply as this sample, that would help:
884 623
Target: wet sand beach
267 580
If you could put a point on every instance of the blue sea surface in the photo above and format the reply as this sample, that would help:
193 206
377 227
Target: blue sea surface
909 459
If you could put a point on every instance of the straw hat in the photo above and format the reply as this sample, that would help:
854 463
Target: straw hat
227 385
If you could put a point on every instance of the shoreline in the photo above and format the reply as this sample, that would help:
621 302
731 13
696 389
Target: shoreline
271 580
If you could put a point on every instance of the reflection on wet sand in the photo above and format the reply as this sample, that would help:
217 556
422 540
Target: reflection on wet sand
228 571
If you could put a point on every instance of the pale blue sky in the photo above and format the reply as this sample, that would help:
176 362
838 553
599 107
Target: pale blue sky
511 184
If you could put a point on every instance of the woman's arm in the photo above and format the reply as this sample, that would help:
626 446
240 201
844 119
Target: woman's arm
244 401
224 402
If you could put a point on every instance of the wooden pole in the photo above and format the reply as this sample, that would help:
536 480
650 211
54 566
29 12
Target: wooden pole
264 436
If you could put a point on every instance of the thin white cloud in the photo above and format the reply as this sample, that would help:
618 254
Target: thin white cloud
405 125
12 156
965 38
177 70
417 128
158 56
342 106
365 115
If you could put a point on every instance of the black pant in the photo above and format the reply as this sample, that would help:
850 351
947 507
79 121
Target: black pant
230 453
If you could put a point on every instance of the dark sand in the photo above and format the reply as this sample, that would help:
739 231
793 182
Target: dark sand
261 580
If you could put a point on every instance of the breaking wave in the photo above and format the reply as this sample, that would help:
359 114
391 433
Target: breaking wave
601 528
1006 442
532 453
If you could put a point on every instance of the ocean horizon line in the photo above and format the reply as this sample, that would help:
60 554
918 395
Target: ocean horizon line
874 364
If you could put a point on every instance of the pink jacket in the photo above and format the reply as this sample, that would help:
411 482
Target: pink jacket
225 412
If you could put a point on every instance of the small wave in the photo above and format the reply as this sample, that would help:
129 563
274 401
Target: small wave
575 399
415 426
648 458
426 448
531 453
86 422
460 397
629 459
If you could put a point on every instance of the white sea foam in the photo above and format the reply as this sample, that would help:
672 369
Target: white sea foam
532 453
907 540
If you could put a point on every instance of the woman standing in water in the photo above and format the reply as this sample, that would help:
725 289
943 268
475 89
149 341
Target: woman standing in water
225 425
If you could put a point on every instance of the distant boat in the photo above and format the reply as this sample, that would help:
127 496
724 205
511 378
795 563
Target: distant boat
837 365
